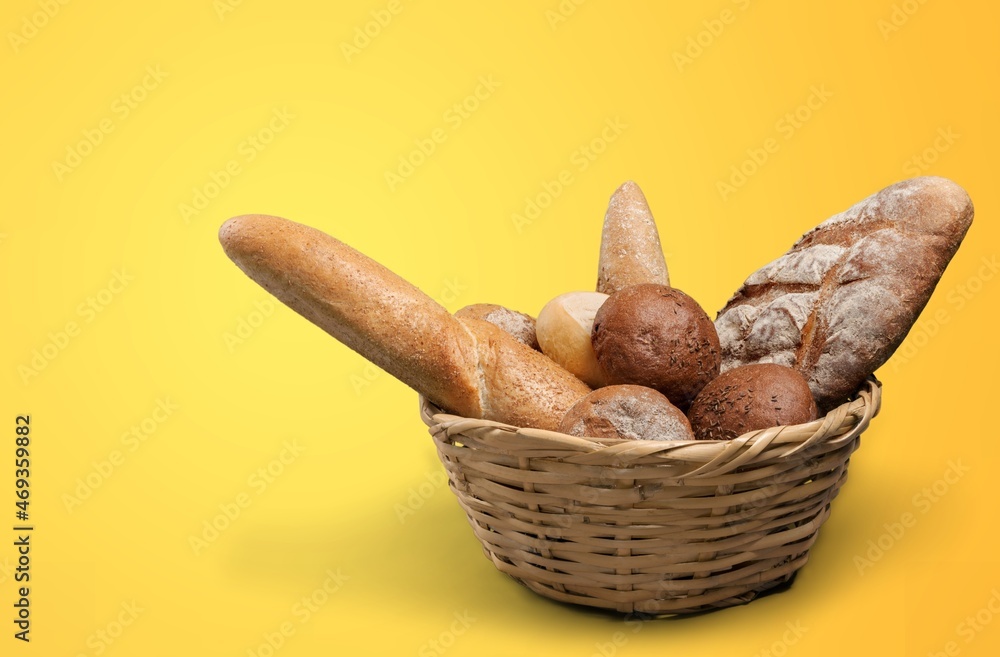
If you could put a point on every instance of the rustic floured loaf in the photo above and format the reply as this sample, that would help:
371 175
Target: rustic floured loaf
837 305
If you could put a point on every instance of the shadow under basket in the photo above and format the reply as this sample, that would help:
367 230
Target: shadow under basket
649 527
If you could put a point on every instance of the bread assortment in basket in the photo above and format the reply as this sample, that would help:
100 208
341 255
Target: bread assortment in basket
633 513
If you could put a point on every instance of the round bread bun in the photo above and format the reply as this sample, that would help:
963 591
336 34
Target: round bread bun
519 325
563 329
751 397
657 336
629 412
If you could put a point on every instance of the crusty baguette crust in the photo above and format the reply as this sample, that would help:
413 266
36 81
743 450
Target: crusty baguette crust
522 386
396 326
839 303
630 244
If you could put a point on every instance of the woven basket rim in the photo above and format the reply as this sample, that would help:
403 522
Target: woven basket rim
840 425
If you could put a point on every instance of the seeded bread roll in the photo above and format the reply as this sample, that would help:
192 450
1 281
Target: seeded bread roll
630 244
519 325
657 336
466 366
836 306
751 397
629 412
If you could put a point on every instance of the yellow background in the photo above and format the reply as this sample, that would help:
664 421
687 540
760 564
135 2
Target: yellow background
168 335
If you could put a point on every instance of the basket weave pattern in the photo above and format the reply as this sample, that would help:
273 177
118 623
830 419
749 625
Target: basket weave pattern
652 527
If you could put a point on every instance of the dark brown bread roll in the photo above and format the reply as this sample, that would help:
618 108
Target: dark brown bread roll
657 336
629 412
751 397
836 306
520 326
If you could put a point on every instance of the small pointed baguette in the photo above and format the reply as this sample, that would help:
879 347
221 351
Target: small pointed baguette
836 306
630 244
466 366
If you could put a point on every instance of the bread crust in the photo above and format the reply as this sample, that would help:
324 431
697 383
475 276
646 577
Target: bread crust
520 326
842 299
399 328
630 243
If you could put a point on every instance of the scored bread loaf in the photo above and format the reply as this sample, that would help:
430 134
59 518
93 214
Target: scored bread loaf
465 366
836 306
630 244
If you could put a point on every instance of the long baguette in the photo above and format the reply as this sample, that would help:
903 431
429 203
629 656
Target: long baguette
466 366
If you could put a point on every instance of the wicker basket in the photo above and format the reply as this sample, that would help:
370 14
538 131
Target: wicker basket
650 527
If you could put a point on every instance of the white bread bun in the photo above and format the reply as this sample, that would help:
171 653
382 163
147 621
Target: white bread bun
563 330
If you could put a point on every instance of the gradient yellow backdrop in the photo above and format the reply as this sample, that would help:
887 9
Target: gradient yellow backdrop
168 393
